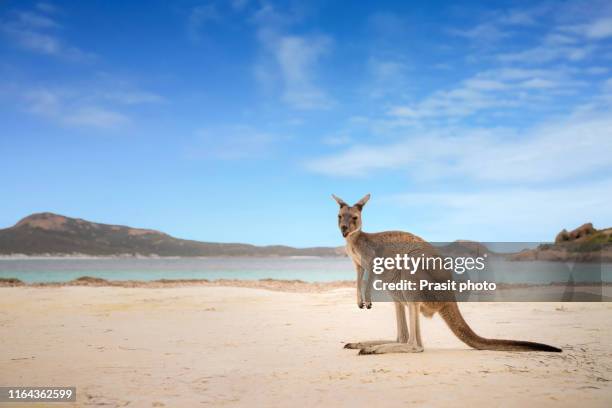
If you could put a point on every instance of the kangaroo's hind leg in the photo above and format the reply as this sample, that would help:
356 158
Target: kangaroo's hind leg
414 344
402 331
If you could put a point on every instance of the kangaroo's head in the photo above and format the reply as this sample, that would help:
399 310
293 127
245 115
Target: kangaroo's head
349 217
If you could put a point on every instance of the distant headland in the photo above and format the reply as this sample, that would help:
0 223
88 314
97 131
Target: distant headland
48 234
44 234
583 244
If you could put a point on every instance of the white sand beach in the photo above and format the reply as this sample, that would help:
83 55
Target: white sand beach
237 346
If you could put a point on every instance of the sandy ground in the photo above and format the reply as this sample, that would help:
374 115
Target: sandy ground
236 346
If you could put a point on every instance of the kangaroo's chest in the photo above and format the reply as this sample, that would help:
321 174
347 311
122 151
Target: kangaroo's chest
353 252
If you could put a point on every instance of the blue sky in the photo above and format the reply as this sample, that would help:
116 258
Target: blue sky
235 120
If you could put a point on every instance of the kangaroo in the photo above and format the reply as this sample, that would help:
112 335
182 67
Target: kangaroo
361 246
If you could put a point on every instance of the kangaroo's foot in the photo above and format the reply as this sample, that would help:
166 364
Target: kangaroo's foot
391 348
367 305
364 344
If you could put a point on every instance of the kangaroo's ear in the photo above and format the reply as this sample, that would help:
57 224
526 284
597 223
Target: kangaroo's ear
340 201
359 204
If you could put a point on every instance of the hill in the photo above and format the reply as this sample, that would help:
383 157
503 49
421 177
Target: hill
48 233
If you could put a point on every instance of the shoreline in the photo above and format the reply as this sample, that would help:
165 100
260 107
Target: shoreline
282 285
522 256
84 257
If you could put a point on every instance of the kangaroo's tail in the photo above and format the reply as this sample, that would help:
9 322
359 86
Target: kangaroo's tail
451 314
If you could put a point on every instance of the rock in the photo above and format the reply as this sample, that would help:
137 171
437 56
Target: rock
580 232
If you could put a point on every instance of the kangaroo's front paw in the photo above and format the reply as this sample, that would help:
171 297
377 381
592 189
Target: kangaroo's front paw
367 305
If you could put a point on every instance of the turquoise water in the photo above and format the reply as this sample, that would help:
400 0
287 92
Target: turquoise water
306 269
63 270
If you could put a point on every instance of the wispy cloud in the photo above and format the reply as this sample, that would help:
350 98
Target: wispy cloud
550 51
67 109
94 116
37 31
516 17
499 25
132 97
484 32
341 139
387 77
239 4
601 28
386 25
543 153
297 57
46 7
503 88
505 213
199 16
91 106
35 20
572 40
103 102
235 142
597 28
292 58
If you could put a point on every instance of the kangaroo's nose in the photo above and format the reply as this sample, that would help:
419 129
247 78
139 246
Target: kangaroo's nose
344 228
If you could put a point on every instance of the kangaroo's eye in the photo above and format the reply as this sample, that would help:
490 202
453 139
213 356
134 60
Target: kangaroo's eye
354 218
339 216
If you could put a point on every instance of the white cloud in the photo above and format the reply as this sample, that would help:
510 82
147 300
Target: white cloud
554 151
294 59
132 97
446 105
69 109
337 140
596 29
571 34
556 39
46 7
37 32
387 26
239 4
539 83
547 53
597 70
236 142
485 32
505 88
387 77
94 116
33 40
519 17
31 19
499 25
198 17
43 102
507 214
599 29
91 105
297 57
